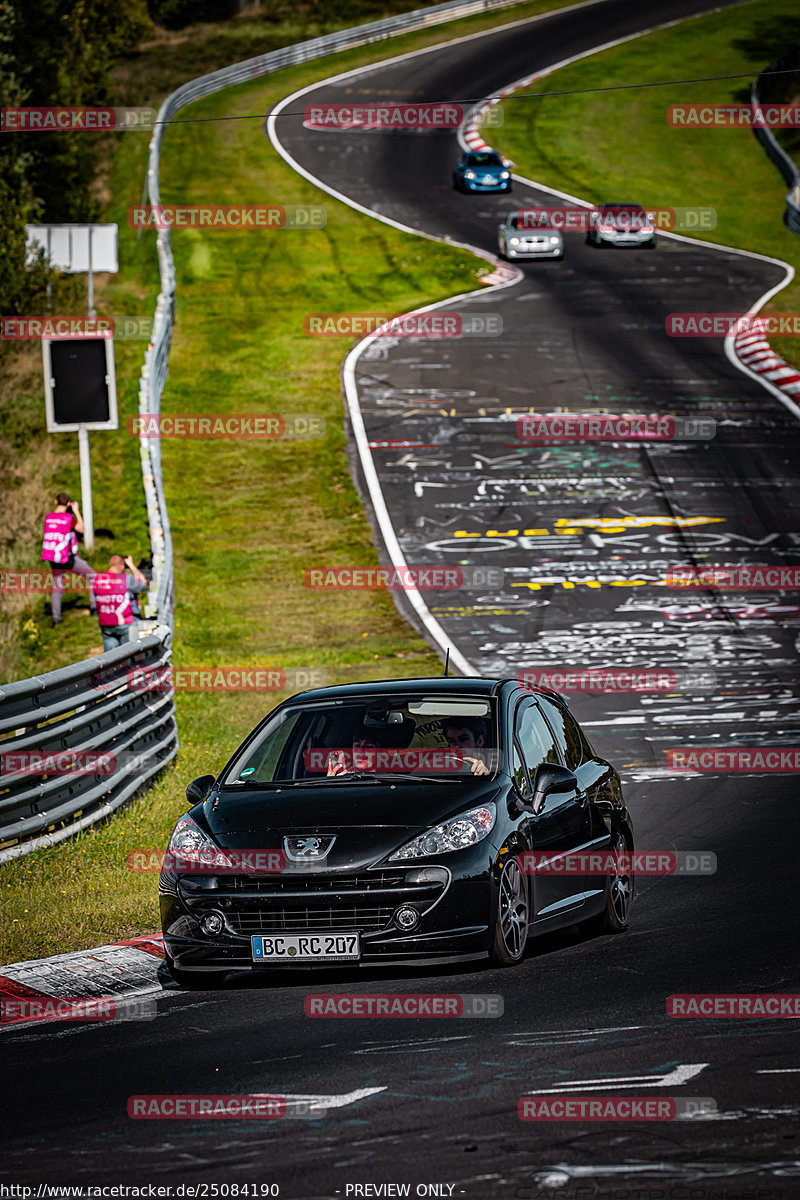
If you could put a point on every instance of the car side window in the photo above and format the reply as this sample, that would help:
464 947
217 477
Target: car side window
535 739
518 772
570 738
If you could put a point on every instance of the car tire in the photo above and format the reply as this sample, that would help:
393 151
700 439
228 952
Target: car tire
513 915
615 916
508 186
651 245
194 980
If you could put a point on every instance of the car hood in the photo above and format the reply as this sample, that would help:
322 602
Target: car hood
369 820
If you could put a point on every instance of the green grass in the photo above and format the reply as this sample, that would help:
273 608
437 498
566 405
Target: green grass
247 518
617 145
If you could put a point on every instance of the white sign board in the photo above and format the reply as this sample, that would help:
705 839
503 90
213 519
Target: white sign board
68 246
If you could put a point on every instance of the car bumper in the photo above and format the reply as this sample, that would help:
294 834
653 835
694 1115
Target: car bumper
472 185
547 252
458 923
617 239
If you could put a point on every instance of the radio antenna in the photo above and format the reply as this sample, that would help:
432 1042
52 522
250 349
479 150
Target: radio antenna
446 662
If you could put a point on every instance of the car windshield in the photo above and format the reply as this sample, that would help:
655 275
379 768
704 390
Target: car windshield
484 160
408 734
624 216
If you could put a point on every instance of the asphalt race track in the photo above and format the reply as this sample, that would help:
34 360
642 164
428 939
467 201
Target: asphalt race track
429 1102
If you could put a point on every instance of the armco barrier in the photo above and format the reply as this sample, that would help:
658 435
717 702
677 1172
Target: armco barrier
86 708
67 709
787 167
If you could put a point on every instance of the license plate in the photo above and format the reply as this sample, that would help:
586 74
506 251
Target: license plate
306 947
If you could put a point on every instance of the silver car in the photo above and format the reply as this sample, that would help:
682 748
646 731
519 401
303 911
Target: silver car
516 240
622 225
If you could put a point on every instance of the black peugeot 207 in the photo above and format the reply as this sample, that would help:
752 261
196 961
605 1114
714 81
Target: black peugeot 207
395 822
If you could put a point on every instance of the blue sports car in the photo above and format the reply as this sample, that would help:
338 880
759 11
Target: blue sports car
481 171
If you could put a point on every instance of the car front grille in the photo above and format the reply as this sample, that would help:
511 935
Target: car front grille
298 901
297 881
361 917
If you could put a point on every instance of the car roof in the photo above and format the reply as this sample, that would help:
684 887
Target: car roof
454 685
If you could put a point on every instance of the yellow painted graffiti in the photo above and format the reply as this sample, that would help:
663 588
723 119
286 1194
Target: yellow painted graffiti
577 525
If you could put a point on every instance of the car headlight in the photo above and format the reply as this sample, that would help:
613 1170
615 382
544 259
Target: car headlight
188 836
554 241
648 229
504 174
470 175
513 241
455 834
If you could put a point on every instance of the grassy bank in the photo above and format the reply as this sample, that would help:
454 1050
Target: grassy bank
601 144
247 518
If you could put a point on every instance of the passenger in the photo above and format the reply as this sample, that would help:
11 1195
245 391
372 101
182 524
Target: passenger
468 733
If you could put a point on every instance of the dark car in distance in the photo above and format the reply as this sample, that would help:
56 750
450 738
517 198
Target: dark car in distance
386 823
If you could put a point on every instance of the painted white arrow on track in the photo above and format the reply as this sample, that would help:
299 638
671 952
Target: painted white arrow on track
681 1074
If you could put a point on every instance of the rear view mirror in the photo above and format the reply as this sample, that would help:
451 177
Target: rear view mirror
551 778
198 789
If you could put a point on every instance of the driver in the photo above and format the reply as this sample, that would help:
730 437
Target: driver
392 737
467 734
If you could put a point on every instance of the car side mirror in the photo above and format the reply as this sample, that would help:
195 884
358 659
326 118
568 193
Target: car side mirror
550 779
198 789
518 804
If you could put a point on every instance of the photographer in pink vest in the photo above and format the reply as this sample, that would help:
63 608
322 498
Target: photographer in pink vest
60 547
113 590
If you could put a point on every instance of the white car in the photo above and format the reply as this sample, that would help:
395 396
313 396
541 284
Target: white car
517 241
622 225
